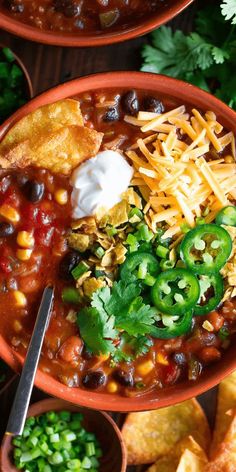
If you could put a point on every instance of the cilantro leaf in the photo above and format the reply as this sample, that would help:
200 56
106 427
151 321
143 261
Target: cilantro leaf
122 295
205 57
137 318
97 330
228 8
184 53
140 345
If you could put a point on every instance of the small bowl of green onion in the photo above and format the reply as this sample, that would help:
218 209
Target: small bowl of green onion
61 437
15 84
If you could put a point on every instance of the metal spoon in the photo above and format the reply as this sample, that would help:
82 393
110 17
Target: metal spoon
21 401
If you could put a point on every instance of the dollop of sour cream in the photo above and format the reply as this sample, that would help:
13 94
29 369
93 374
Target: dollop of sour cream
99 183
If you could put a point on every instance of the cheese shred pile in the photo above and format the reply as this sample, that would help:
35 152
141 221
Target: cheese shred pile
184 166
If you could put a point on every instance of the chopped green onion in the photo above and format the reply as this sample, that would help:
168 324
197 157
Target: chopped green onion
111 231
79 270
200 221
90 449
135 212
166 264
99 252
70 448
162 251
70 295
185 228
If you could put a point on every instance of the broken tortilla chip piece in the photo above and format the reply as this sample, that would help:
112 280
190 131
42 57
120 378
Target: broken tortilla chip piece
152 434
60 151
164 464
226 401
46 119
185 452
225 457
190 462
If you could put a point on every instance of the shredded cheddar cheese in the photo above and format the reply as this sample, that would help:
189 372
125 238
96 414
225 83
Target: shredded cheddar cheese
178 168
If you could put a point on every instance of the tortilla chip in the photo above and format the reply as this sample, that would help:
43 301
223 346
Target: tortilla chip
225 458
46 119
60 151
164 464
152 434
190 462
226 401
118 214
186 452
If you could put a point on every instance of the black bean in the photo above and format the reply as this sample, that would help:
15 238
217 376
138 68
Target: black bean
67 264
123 377
94 379
130 103
6 229
112 114
33 191
21 179
179 358
14 6
153 105
69 8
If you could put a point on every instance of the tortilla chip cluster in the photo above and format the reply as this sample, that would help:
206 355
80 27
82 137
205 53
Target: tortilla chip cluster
178 438
53 137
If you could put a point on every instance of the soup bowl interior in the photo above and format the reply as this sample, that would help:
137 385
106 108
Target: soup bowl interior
124 33
172 92
99 423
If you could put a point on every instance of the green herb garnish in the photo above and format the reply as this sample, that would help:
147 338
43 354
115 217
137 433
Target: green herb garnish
12 84
205 57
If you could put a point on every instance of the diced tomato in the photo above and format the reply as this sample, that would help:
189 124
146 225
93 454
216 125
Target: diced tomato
11 198
43 217
43 236
5 265
170 373
29 213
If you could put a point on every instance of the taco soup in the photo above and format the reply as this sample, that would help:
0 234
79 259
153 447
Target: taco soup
126 203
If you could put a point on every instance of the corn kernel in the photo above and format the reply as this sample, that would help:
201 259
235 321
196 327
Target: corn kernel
25 239
112 387
23 254
20 298
161 359
145 368
61 196
208 326
17 326
9 213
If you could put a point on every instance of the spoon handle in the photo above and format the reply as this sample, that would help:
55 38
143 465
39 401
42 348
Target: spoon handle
21 401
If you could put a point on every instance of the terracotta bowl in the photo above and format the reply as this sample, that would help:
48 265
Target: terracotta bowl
105 429
175 92
144 26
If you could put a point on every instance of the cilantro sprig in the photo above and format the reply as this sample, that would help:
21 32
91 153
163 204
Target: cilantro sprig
117 316
12 84
205 57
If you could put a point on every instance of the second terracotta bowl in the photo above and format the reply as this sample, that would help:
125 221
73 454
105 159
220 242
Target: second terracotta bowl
143 26
99 423
174 92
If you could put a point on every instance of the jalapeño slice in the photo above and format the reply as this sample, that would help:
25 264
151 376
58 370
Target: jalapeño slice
176 291
206 248
227 216
211 293
177 328
141 265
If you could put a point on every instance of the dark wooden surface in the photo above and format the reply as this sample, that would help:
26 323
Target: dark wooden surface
49 66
